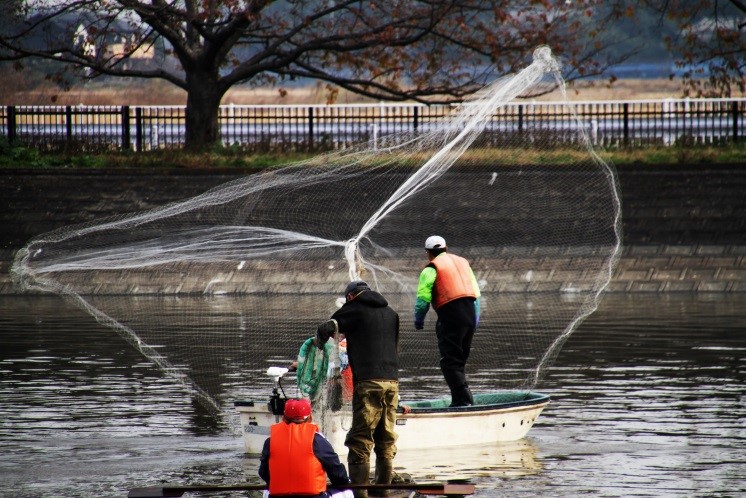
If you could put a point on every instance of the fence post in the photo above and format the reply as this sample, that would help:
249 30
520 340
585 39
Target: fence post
625 108
125 127
310 128
69 125
138 129
520 119
415 115
735 121
11 123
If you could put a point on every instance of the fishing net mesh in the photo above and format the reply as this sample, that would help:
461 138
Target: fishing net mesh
216 288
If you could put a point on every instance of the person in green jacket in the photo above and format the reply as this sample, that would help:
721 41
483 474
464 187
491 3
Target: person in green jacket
448 283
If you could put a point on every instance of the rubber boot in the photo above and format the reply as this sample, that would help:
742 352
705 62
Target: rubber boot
456 381
468 395
384 473
360 474
461 396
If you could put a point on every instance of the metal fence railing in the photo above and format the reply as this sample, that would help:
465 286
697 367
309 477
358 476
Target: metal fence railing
321 127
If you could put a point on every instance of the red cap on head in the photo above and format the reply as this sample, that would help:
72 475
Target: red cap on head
297 410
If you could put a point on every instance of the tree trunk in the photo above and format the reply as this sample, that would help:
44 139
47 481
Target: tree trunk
203 105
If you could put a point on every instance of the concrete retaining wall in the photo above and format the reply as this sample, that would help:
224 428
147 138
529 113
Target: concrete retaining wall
681 268
684 227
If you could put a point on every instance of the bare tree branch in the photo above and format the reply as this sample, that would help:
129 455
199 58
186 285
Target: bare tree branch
424 50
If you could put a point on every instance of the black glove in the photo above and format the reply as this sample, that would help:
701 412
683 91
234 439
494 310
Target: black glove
325 331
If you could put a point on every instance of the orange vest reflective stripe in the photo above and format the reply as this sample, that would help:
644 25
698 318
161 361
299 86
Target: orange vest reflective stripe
293 468
453 279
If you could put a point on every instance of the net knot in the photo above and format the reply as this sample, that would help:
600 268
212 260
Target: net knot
543 57
354 259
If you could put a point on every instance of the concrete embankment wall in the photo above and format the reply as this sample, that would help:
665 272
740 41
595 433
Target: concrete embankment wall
684 226
684 229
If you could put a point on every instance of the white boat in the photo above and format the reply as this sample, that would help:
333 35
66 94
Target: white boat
495 417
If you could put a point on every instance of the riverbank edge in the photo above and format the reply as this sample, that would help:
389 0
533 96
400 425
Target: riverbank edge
711 258
646 269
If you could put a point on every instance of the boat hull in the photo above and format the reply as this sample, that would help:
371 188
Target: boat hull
502 416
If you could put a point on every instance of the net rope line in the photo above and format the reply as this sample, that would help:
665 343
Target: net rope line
471 121
131 337
388 175
467 124
593 301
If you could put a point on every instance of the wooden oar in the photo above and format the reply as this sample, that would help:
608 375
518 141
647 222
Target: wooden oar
435 488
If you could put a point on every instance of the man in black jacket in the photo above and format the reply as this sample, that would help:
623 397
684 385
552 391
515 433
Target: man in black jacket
372 331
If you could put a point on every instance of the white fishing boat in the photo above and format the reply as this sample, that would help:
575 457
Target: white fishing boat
498 416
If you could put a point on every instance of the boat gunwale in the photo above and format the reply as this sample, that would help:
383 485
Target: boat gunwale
538 400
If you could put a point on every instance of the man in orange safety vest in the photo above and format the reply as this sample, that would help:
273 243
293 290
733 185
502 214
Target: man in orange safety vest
296 458
448 283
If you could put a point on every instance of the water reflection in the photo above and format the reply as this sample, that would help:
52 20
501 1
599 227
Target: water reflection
648 399
499 460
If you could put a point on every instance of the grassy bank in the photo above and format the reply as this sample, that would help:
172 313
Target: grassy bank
20 157
227 158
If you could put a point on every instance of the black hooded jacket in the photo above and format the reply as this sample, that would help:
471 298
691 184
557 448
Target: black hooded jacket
372 331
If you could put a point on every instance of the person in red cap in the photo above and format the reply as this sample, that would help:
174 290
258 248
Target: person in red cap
448 283
296 458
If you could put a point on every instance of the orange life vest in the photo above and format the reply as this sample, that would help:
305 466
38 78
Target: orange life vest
347 387
293 468
453 280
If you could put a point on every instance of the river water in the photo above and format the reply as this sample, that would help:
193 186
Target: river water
648 399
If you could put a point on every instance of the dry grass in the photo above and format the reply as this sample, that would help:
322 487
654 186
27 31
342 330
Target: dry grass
16 91
25 89
626 89
151 93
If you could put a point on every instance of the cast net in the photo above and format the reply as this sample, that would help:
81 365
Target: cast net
217 288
